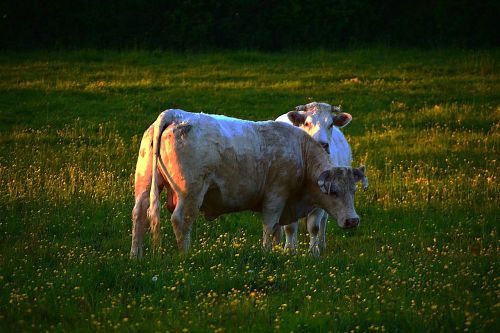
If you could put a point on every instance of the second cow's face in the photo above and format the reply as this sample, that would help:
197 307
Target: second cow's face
317 120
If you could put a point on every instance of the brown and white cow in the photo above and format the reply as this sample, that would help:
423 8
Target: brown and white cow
216 165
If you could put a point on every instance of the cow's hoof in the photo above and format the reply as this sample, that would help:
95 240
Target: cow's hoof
314 251
135 256
290 249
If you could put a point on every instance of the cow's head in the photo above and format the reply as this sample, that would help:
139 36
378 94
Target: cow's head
338 187
317 119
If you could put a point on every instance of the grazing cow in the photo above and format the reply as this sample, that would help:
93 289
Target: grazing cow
322 122
217 165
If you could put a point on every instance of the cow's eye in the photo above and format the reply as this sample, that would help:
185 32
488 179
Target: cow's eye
330 126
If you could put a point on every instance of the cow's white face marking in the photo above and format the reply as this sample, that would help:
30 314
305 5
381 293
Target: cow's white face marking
319 126
318 120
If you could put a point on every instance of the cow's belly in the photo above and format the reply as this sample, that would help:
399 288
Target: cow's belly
219 201
236 182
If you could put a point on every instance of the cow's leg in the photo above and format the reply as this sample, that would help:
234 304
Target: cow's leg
313 226
178 224
269 230
139 224
184 215
291 237
140 221
142 187
322 232
278 236
271 213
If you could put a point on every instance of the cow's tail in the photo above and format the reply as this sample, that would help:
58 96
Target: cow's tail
163 120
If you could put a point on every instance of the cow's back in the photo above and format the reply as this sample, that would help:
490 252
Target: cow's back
240 161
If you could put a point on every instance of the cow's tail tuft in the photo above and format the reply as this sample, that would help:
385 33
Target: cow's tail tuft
154 195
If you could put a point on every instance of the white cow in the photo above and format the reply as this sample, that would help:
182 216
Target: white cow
322 122
217 165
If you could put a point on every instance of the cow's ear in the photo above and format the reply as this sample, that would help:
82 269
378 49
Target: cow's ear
301 108
297 117
342 119
359 173
324 182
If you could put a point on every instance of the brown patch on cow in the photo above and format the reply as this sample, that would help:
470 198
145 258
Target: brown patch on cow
142 152
182 130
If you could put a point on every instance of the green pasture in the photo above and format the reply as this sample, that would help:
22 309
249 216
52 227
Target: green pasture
426 258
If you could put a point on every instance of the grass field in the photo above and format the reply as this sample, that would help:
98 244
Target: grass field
426 258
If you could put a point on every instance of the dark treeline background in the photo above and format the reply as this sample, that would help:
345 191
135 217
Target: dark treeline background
232 24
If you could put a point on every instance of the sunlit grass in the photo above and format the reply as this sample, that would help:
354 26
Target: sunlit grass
426 124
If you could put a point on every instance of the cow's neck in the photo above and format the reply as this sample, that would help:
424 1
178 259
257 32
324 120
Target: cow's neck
316 160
